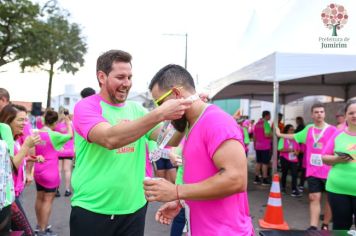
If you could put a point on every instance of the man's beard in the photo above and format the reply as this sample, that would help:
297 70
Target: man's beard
180 124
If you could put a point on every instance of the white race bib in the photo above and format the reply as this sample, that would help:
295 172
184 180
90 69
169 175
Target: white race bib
315 160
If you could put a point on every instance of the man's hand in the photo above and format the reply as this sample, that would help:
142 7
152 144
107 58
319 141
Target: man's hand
174 109
343 158
159 190
175 159
167 212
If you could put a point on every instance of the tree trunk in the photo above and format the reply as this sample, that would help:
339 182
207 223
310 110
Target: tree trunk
334 30
50 86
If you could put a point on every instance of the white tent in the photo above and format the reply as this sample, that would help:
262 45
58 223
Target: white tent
298 75
284 77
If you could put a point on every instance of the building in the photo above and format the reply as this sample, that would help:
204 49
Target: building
144 98
66 100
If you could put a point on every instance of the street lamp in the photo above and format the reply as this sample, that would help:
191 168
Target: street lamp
186 46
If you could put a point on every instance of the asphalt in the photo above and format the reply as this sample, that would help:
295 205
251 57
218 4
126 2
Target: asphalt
296 210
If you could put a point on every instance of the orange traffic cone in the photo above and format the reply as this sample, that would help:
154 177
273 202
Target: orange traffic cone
274 212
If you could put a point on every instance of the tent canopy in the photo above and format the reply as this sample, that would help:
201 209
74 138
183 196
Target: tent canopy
299 75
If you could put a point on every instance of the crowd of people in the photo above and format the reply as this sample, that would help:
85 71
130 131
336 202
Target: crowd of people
186 153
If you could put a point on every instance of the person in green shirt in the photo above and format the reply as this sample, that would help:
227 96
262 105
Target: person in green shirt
110 136
340 153
6 181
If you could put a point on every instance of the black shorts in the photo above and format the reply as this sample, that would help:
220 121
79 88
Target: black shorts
47 190
5 220
86 223
263 156
65 158
164 164
316 185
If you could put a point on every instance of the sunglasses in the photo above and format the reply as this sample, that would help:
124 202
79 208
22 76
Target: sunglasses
159 101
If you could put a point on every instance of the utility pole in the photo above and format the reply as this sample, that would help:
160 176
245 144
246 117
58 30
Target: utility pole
186 47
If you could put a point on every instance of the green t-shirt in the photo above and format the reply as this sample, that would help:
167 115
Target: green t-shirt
267 127
6 135
108 181
152 145
179 176
58 140
341 178
301 136
280 144
246 135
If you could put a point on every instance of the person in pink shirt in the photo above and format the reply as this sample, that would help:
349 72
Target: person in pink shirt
288 152
15 117
214 162
46 173
315 136
262 142
39 122
65 155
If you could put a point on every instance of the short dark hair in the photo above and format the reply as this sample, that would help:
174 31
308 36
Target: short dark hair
105 60
300 119
9 112
317 105
4 94
349 103
50 117
286 128
86 92
265 113
173 75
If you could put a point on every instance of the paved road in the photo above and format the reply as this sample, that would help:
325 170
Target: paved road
295 210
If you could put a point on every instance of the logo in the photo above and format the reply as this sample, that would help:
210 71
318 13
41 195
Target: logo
334 18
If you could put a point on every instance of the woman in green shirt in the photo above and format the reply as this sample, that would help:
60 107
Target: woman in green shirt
340 152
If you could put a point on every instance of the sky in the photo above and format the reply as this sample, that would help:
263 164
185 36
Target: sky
223 36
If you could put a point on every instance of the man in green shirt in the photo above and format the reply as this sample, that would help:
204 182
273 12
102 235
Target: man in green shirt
110 140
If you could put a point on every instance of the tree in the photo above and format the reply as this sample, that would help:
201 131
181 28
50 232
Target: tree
16 20
334 17
54 44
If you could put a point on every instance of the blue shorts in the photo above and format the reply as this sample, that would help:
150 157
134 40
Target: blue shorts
164 164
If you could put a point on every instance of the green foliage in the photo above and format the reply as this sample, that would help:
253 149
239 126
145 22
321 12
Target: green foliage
16 20
42 38
52 42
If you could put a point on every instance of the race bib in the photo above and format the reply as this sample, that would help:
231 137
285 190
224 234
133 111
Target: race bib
292 156
315 160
